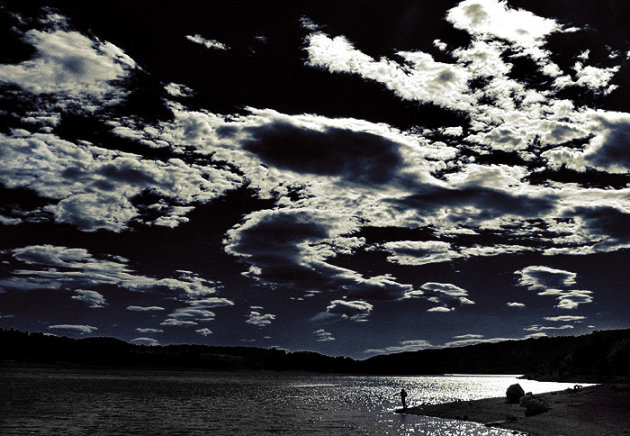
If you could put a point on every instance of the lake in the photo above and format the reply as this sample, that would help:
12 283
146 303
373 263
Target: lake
119 402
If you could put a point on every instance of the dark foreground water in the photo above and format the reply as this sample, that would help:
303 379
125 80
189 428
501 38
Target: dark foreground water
83 402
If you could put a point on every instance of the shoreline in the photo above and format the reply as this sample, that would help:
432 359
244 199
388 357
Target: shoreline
602 410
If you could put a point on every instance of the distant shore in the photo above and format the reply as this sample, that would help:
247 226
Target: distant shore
602 410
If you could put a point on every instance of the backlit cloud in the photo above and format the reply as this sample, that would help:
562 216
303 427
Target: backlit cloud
259 319
92 298
204 331
145 341
355 310
74 328
541 278
207 43
322 335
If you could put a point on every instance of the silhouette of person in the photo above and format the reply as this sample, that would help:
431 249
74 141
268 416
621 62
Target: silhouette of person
403 398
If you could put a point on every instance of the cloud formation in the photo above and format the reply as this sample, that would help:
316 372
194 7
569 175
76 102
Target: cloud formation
74 328
57 267
322 335
258 319
93 299
355 310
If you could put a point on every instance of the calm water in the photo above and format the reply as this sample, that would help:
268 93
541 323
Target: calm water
49 402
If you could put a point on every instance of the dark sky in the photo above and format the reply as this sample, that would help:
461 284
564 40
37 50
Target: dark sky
352 177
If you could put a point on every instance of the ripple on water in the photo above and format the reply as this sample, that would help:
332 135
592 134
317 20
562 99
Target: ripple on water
43 402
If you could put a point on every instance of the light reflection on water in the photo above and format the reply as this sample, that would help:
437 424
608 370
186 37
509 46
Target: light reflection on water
48 402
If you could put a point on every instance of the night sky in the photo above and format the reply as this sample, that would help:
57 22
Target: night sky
349 177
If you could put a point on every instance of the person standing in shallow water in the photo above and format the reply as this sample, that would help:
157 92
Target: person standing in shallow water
403 398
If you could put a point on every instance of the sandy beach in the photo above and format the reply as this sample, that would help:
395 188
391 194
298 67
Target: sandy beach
593 411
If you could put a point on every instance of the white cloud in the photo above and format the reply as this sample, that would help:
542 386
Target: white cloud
565 318
553 282
70 64
204 331
92 298
322 335
441 309
355 310
468 336
419 78
207 43
178 322
538 328
145 308
255 317
192 313
419 252
74 328
540 278
486 19
178 90
149 330
447 295
94 186
57 267
145 341
515 304
404 346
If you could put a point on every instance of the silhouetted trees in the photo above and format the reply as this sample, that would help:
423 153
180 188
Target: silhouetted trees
599 355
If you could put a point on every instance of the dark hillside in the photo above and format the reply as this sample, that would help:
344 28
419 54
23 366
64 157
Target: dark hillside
598 356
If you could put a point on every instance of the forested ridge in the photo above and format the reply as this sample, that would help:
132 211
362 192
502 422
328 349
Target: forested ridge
600 355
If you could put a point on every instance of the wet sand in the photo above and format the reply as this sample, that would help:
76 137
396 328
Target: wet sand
593 411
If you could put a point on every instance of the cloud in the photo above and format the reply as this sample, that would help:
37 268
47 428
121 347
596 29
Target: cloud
550 282
207 43
254 317
145 308
92 298
70 64
358 157
515 304
290 248
418 78
58 267
404 346
538 328
178 90
192 313
322 335
355 310
149 330
569 299
419 252
540 278
204 331
421 344
468 336
487 19
447 295
93 188
178 322
565 318
145 341
608 150
475 203
74 328
441 309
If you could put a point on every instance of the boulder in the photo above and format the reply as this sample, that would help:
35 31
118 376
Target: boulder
514 393
526 399
536 406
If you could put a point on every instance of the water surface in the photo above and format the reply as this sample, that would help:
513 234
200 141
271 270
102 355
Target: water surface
80 402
